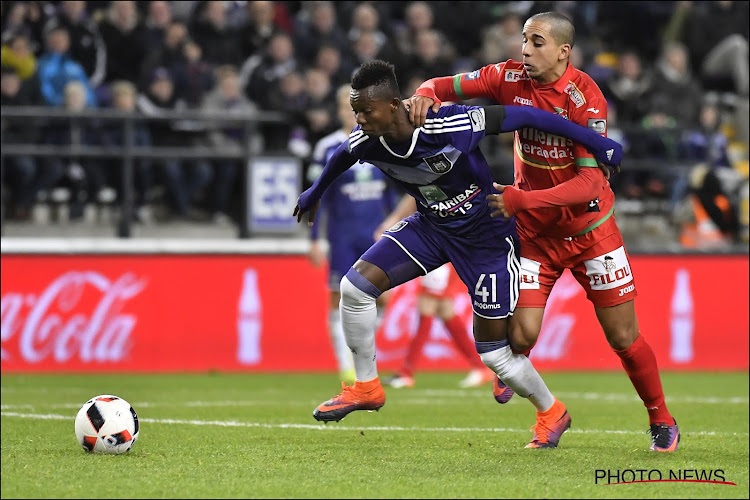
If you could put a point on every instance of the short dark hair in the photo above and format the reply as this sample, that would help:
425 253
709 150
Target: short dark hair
379 74
562 27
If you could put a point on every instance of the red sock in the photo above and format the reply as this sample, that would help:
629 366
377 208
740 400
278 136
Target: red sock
640 365
457 330
415 346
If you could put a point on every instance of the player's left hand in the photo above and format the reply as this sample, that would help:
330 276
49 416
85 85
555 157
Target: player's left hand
299 210
497 203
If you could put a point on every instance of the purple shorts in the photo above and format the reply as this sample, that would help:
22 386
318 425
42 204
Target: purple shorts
487 263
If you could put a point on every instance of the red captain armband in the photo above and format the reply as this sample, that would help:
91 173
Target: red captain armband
428 92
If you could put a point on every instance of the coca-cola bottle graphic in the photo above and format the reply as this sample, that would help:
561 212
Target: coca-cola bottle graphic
249 322
682 322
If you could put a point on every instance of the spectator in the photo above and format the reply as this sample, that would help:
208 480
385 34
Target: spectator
124 96
289 97
320 115
83 176
19 171
714 223
366 49
419 17
675 85
257 31
338 67
86 43
218 41
227 99
430 54
16 54
502 40
706 143
262 72
365 18
318 26
629 91
24 17
168 55
158 21
720 55
465 36
193 76
57 69
184 179
125 39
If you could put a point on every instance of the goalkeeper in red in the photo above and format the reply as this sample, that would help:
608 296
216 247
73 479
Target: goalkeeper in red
563 204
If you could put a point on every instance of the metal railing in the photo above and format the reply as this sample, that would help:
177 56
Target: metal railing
129 152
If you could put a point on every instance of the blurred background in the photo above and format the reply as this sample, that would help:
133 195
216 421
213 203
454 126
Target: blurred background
171 140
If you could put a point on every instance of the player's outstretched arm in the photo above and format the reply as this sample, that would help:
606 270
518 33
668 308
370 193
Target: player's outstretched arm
309 200
509 118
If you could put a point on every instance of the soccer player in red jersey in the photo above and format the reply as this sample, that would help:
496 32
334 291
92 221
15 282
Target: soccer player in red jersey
563 204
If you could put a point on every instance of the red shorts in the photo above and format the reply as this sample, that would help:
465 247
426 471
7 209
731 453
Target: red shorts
442 283
597 259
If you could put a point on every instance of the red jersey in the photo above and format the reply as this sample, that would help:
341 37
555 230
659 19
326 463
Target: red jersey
541 160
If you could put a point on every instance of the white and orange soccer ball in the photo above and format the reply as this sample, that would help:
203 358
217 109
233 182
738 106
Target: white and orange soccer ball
107 424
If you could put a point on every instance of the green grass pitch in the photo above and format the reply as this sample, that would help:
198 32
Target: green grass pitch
253 436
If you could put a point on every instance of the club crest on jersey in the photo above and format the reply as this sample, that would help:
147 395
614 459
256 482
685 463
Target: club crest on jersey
515 75
439 163
575 95
561 112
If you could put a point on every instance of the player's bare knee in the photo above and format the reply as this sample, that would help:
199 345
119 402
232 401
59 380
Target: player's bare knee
621 338
519 343
521 335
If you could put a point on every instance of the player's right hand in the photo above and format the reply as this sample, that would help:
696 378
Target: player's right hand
317 256
418 106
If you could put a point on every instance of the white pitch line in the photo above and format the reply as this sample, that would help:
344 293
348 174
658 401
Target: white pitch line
339 427
428 396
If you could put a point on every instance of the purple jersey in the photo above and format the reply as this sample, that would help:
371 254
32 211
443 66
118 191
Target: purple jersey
441 167
357 201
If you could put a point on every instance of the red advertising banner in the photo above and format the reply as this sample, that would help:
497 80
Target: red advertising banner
193 313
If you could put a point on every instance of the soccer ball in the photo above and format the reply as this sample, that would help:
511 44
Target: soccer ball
107 424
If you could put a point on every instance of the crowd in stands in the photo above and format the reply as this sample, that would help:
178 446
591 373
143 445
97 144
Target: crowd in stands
675 75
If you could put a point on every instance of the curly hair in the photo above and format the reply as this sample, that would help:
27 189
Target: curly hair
380 75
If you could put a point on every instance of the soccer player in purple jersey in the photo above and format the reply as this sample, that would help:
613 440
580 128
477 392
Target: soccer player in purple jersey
441 166
352 208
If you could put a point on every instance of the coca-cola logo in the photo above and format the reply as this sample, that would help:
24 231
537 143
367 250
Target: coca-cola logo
78 314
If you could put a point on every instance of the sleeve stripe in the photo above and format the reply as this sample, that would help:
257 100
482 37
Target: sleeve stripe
440 125
457 85
586 162
356 142
446 130
447 119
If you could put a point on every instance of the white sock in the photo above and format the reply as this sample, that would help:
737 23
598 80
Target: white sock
517 372
358 318
340 349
